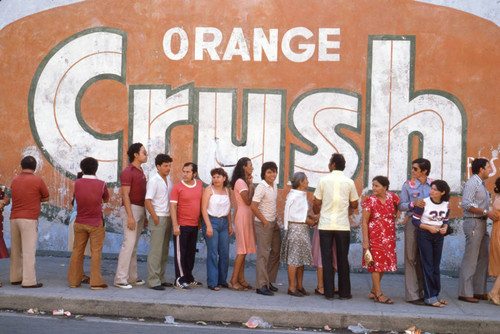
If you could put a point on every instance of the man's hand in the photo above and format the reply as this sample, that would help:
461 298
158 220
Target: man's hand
492 215
156 220
265 222
146 221
131 223
419 203
177 230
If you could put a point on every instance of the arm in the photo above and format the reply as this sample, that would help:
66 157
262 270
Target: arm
204 206
5 201
444 228
256 212
316 205
229 218
354 204
151 210
125 190
404 199
173 215
468 204
366 239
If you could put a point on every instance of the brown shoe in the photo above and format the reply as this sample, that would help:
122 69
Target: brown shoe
482 297
16 283
468 299
37 285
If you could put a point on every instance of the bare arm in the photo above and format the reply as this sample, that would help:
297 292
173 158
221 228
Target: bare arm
364 221
354 204
173 215
125 191
229 218
204 206
317 205
256 212
5 201
151 210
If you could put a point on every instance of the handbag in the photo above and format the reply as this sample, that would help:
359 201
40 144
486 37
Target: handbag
449 230
369 258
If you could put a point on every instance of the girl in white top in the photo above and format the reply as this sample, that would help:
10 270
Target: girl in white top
216 228
296 245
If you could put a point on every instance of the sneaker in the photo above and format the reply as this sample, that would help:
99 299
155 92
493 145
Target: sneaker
195 284
181 286
99 287
123 286
138 282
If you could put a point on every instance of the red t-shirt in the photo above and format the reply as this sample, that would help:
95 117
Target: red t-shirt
188 199
27 190
136 180
89 194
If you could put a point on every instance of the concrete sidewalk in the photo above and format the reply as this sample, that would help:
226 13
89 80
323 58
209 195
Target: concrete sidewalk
232 306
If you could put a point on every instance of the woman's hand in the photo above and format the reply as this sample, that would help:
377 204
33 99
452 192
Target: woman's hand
210 231
443 229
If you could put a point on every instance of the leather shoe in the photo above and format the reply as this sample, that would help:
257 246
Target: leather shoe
16 283
272 287
417 301
167 284
158 288
264 291
482 297
345 297
468 299
37 285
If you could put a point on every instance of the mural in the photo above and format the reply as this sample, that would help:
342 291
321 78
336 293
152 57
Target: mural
381 83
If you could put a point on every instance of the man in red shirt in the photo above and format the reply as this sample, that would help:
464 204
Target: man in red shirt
132 213
27 191
185 210
90 193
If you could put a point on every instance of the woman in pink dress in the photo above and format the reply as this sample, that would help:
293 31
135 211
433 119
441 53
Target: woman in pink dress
242 185
379 234
4 201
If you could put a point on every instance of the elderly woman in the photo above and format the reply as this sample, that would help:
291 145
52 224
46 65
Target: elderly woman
379 234
494 264
296 246
432 222
217 227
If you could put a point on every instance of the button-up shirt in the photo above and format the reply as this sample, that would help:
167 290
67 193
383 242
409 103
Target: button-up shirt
336 191
412 190
475 195
296 207
158 191
266 195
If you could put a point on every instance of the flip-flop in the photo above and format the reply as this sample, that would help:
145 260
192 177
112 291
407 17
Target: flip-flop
316 291
436 304
386 301
246 285
444 302
240 288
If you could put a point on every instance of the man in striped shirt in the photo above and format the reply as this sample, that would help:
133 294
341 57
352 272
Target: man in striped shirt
476 204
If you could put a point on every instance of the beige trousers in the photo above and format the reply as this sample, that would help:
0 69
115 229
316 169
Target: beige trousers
23 237
414 287
126 270
158 250
268 241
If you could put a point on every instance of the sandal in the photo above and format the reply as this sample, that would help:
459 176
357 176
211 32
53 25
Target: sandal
303 291
236 287
372 295
85 279
318 291
436 304
295 293
444 302
387 300
214 288
246 285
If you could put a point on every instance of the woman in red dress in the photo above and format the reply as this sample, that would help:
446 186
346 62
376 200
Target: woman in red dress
379 234
4 201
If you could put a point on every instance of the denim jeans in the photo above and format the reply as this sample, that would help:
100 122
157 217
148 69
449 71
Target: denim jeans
217 251
430 247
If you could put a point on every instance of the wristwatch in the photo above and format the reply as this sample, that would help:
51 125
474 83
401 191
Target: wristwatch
485 212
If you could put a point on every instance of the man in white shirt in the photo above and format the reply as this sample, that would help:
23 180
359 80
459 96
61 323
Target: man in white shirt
157 203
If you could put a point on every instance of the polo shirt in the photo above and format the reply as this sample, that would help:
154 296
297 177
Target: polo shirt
335 191
188 199
266 195
26 191
134 178
158 191
89 194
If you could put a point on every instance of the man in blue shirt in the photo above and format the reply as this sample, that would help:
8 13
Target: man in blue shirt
412 195
476 204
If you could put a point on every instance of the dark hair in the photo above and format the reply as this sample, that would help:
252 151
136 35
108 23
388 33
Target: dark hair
423 164
297 178
268 165
89 166
162 158
338 160
497 186
442 186
384 181
194 166
28 162
238 171
132 150
221 172
477 164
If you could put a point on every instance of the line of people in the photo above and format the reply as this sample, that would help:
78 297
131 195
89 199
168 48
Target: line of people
182 209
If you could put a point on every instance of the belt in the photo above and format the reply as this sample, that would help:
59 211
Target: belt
295 223
216 216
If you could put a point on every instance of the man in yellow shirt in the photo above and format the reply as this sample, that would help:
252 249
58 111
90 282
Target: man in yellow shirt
333 198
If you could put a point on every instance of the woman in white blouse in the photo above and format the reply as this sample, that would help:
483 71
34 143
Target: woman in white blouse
296 246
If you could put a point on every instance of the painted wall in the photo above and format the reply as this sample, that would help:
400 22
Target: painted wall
382 82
